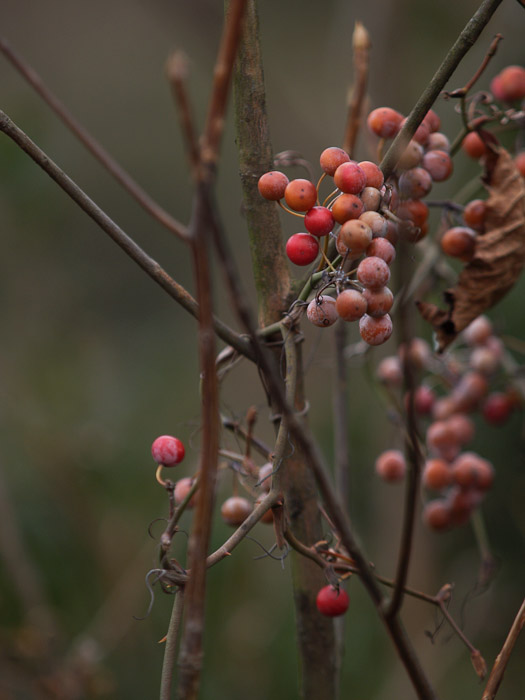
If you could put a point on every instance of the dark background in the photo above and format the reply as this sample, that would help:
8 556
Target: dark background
96 360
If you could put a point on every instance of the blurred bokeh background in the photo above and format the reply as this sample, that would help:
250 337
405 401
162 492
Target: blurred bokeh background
96 360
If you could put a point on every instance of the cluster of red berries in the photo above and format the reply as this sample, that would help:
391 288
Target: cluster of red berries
462 478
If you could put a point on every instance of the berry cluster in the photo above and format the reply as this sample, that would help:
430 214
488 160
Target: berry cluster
462 478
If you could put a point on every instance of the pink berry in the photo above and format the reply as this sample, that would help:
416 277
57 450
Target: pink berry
182 489
350 178
351 305
389 371
375 331
391 465
322 311
373 272
167 450
379 301
438 164
302 248
415 183
497 408
332 602
381 248
319 221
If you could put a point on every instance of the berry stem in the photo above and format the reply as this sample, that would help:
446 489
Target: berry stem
290 211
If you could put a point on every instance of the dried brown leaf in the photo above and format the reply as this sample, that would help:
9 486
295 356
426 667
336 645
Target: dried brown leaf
499 256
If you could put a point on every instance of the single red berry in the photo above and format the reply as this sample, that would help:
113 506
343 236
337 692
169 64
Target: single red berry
379 301
182 489
422 132
375 331
235 510
474 214
331 158
332 602
432 120
373 173
381 248
350 178
385 122
167 450
319 221
473 145
377 223
512 83
497 408
302 248
470 471
322 312
459 242
389 371
415 183
346 207
373 272
478 331
437 474
391 465
356 235
438 164
300 194
272 185
350 305
437 515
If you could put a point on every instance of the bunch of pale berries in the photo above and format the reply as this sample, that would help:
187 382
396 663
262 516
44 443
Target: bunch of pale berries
460 476
366 216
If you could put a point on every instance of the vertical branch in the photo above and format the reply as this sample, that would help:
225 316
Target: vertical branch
502 659
270 266
361 46
170 651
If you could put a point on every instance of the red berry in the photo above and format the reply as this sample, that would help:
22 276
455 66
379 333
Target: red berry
182 489
235 510
413 210
414 183
512 83
373 173
332 601
474 214
302 248
437 474
319 221
478 331
497 408
470 390
351 305
346 207
350 178
322 311
167 450
459 242
422 132
391 465
439 164
389 371
471 471
331 158
375 331
473 145
377 223
355 235
272 185
373 272
411 156
424 399
371 198
381 248
432 120
379 301
300 194
462 427
385 122
437 515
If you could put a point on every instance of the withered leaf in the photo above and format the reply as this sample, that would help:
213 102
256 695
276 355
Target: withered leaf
499 256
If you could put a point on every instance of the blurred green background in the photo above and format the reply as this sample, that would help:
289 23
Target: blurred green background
96 360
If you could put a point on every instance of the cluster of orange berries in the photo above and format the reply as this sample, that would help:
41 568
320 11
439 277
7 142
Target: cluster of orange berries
462 478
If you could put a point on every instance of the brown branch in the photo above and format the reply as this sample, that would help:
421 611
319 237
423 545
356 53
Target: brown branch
150 266
177 71
502 659
170 650
93 146
463 92
191 652
464 42
222 73
361 47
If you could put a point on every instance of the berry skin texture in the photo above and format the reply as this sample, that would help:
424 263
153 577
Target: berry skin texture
332 602
373 272
375 331
302 248
167 450
459 242
384 122
300 195
319 221
331 158
391 466
379 301
272 185
350 178
355 235
351 305
381 248
439 164
322 311
473 145
235 510
373 173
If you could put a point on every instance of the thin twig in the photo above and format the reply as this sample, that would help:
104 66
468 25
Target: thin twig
150 266
170 649
361 47
502 659
177 72
93 146
463 92
464 42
